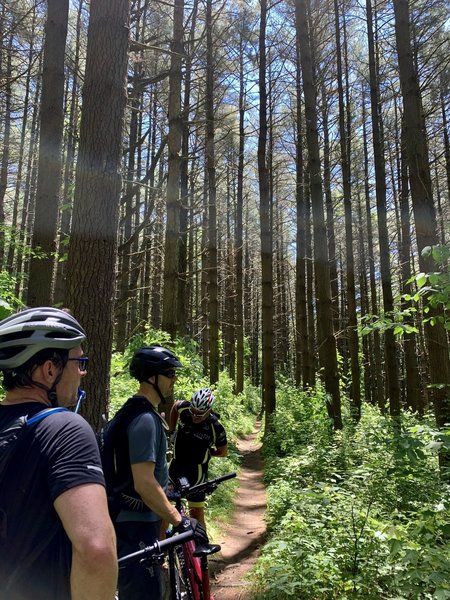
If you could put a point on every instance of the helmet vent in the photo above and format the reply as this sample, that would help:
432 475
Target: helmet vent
17 335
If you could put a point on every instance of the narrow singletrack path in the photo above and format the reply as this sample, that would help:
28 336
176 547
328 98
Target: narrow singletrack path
246 532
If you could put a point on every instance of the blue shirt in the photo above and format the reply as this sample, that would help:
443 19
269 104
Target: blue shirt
147 442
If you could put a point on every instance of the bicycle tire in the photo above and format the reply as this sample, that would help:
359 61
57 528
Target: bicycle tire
182 583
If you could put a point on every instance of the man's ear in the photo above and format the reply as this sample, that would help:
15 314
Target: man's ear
48 370
152 379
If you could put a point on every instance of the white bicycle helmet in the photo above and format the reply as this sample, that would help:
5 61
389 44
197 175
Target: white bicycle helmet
28 332
202 399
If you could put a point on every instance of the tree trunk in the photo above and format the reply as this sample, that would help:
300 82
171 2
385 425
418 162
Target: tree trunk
93 243
183 275
391 359
40 283
213 306
413 384
376 372
6 144
69 165
239 241
266 233
302 362
344 138
30 169
170 290
423 207
446 136
229 291
326 339
330 220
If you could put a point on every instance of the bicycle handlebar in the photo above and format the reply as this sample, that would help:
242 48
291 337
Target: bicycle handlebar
208 486
159 547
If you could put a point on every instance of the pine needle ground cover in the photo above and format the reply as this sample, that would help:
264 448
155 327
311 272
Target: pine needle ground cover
357 514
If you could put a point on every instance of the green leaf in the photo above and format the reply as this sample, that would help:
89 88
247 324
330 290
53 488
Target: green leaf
5 309
396 547
434 445
434 278
421 280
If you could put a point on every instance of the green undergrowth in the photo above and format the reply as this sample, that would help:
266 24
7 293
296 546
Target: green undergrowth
360 513
237 412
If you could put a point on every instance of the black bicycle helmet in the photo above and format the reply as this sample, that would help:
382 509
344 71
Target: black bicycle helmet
152 360
28 332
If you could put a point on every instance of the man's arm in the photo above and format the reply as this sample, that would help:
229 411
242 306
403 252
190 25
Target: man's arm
221 446
221 451
173 417
148 488
83 511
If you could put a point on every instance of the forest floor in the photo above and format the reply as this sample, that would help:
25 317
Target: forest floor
246 532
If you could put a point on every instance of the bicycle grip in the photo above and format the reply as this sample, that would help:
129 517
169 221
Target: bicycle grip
158 547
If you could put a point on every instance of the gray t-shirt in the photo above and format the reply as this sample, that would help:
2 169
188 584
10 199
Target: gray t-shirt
147 442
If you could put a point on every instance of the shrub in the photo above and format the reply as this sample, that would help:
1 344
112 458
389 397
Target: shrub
356 514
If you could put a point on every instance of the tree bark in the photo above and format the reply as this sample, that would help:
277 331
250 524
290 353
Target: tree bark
266 234
93 243
4 168
40 283
183 318
239 240
326 339
344 138
376 371
169 316
391 360
213 305
302 362
413 384
423 207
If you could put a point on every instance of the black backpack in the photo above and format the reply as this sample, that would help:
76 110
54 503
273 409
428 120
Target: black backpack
12 435
113 445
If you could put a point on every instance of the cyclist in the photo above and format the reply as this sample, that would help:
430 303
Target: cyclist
155 369
57 541
199 436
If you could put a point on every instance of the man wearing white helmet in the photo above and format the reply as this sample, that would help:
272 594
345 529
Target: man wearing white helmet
57 541
199 436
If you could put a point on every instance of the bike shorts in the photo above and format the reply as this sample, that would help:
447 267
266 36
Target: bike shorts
194 474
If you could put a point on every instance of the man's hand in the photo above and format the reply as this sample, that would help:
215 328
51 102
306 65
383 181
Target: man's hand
200 535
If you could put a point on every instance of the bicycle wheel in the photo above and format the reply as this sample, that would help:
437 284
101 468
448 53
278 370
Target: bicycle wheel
182 584
193 570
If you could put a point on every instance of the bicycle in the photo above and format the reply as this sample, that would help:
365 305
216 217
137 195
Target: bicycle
193 560
188 563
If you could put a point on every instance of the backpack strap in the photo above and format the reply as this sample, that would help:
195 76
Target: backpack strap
45 413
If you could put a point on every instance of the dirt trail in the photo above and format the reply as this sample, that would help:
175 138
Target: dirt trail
246 532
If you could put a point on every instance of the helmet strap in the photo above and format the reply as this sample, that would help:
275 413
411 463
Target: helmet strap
157 390
51 392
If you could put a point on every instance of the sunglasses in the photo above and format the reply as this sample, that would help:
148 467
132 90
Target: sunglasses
197 413
170 374
82 363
